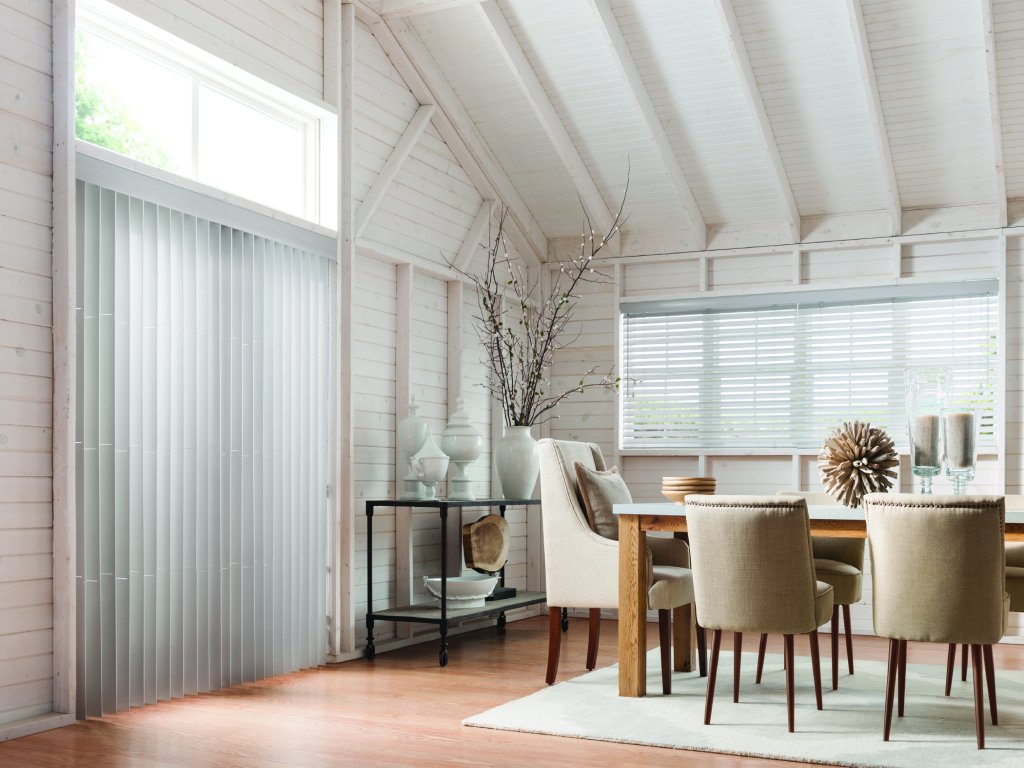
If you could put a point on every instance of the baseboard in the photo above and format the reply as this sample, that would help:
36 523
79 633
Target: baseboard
36 724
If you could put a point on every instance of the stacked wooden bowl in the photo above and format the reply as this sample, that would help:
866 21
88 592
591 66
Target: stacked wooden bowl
678 488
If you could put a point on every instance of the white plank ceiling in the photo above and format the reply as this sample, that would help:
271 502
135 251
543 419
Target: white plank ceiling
741 116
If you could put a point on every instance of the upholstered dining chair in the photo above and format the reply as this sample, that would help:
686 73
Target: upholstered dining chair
582 567
839 562
753 572
958 598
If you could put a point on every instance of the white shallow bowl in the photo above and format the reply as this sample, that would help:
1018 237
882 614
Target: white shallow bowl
466 591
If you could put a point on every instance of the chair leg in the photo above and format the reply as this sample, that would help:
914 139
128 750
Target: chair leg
835 647
950 661
737 655
890 686
716 644
594 637
816 666
979 695
702 651
963 663
554 643
849 638
665 638
787 641
760 656
902 681
990 680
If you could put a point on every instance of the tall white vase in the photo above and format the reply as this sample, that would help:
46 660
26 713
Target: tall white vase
515 457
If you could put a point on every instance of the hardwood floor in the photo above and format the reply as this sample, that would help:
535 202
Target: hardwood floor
400 710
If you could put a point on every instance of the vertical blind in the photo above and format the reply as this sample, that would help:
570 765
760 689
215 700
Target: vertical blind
202 453
748 374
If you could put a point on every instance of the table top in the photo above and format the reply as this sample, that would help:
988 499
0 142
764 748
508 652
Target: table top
452 503
815 511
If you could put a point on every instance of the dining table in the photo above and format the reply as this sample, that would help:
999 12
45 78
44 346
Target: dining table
635 520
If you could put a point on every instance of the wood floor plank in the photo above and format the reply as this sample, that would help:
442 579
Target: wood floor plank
401 710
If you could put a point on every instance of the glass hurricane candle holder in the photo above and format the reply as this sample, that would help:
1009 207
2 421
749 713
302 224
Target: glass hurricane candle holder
960 436
927 389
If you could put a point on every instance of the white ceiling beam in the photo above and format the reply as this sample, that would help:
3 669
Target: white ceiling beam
748 82
993 103
497 25
394 164
471 245
423 77
862 51
609 26
394 9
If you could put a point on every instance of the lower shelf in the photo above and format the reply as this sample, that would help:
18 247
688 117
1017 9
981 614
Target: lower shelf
430 613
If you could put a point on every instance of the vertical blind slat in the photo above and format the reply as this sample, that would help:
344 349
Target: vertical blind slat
202 452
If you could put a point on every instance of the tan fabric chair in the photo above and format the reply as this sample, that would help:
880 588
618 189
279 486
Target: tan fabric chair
753 572
839 562
958 598
582 568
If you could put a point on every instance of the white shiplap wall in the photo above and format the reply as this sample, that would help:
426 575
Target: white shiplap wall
281 41
26 565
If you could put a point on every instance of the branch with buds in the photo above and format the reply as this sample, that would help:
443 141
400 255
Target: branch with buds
522 327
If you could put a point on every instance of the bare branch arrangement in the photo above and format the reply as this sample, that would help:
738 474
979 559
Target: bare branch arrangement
855 460
522 326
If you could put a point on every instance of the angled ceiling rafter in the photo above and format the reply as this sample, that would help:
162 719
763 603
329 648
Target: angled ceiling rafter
421 74
396 9
993 100
745 74
862 51
609 26
601 218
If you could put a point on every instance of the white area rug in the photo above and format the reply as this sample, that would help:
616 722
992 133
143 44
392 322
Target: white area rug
935 733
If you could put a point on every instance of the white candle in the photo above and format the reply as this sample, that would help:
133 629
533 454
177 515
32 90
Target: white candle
960 440
926 440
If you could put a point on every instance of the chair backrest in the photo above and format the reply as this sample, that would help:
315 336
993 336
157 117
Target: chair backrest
937 567
843 550
751 562
581 569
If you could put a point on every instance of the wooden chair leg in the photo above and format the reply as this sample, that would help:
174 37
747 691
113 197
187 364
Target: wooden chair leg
737 655
716 644
890 687
665 638
849 637
683 655
950 661
963 663
594 637
554 643
760 656
835 647
816 666
902 681
787 641
979 695
702 651
990 680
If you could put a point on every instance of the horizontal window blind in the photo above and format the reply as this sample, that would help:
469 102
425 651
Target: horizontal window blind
202 449
783 375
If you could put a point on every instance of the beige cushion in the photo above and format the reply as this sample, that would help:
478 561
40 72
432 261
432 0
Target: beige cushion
844 578
1015 587
1015 553
959 597
599 491
752 565
671 587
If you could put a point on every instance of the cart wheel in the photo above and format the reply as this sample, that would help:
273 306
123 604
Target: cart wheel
369 652
442 657
501 624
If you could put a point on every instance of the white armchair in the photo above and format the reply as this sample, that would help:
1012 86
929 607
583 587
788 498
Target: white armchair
582 567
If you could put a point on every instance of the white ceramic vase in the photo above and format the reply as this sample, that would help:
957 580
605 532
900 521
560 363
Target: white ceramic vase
515 457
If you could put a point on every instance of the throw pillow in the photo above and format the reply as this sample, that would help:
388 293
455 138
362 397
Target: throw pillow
600 490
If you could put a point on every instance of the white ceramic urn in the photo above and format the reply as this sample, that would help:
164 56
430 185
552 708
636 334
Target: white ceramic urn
463 443
430 465
412 433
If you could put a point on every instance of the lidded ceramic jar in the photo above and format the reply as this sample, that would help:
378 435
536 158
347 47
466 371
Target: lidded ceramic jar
464 444
411 433
431 465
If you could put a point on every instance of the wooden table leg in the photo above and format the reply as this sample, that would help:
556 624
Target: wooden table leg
684 656
632 608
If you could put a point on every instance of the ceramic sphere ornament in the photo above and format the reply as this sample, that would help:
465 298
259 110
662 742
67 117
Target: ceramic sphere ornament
857 459
463 443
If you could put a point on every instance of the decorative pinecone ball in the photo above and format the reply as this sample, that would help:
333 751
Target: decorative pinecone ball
857 459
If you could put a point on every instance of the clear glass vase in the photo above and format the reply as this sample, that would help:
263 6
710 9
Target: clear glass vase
960 437
927 391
